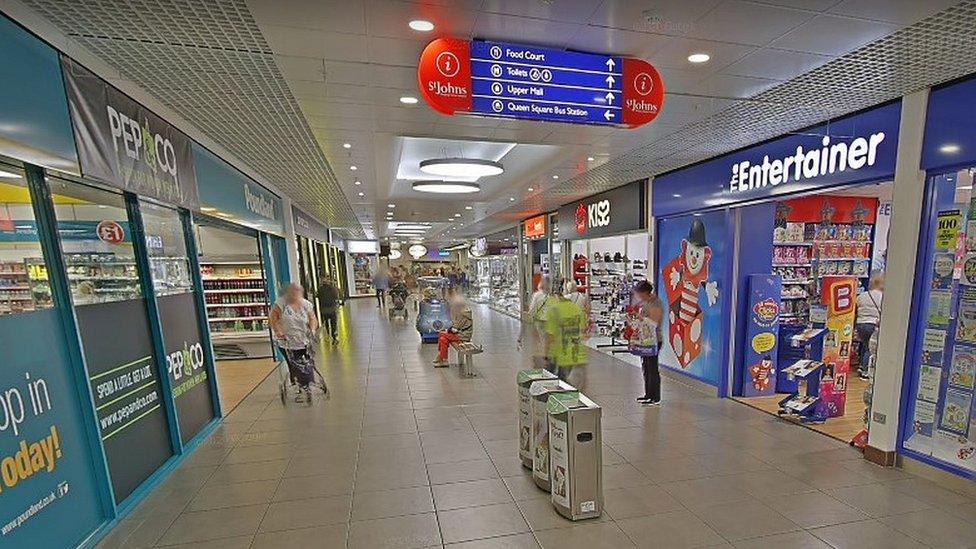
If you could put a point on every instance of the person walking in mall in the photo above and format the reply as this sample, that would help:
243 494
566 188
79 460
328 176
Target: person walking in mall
572 293
462 328
537 312
293 325
381 283
651 311
866 320
328 297
565 326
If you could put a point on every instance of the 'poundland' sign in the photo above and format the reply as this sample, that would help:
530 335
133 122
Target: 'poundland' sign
257 203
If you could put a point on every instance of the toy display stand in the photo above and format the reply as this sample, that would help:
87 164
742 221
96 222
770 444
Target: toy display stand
802 408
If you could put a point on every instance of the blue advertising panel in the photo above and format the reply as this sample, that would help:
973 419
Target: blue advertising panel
853 149
34 121
949 138
543 84
693 251
762 327
48 491
227 193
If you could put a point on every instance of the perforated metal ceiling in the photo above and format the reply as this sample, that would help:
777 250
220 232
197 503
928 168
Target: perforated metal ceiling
207 60
937 49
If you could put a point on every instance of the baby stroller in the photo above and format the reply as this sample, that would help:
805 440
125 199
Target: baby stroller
299 375
398 296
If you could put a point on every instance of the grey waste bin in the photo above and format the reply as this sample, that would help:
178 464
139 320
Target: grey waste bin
540 392
575 456
525 379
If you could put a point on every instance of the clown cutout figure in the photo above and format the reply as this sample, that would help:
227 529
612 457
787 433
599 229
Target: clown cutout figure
684 277
761 374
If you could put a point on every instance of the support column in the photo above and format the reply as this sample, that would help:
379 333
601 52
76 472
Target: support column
906 212
291 242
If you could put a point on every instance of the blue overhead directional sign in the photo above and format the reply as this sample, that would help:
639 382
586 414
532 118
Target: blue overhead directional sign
518 81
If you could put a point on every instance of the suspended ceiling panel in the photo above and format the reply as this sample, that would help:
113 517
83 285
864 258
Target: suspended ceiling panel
207 60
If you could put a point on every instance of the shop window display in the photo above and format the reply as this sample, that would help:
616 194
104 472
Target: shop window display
940 422
168 259
23 275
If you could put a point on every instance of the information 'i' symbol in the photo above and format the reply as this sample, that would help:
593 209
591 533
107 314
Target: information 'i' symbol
448 64
643 83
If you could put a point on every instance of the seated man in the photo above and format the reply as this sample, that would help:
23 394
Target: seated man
461 328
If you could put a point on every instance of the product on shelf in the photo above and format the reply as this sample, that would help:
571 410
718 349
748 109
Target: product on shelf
234 292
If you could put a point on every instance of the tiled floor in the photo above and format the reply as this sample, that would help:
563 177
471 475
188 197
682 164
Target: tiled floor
404 455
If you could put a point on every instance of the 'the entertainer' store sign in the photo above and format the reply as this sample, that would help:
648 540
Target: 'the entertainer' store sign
854 149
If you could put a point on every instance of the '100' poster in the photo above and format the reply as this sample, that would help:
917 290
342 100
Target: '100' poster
691 284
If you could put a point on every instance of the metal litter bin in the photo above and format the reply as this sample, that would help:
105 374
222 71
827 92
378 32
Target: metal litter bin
525 379
540 392
575 455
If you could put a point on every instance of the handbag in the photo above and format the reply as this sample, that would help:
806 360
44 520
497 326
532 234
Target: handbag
642 337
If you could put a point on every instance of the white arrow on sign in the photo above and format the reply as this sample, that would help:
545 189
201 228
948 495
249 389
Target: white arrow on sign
608 115
610 97
610 64
610 81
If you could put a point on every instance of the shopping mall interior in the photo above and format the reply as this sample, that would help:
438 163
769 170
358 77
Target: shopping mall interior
488 274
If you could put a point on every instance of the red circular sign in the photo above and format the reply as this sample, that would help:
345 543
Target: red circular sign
444 75
643 93
110 231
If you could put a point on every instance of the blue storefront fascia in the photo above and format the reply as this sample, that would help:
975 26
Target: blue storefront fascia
229 194
705 186
947 145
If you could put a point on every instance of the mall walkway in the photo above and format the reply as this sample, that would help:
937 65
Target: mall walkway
404 455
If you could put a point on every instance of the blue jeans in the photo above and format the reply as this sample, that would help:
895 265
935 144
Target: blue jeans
864 333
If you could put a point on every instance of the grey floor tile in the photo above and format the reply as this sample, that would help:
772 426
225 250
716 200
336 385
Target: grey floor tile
239 542
814 509
323 536
313 487
396 532
745 519
935 527
637 501
233 495
470 494
461 471
305 513
215 524
878 500
481 522
523 487
247 472
541 515
599 535
791 540
869 534
391 503
706 491
677 529
518 541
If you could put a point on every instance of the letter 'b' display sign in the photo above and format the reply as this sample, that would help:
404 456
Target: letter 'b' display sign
526 82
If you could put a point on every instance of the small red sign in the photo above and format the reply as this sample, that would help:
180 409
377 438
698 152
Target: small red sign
110 232
535 227
581 219
444 75
643 93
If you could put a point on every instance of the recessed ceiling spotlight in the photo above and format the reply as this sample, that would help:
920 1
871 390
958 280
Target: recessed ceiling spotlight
421 25
469 207
346 145
408 100
555 177
511 199
359 182
950 148
457 215
698 58
391 205
530 189
676 195
590 159
461 167
353 167
445 187
362 194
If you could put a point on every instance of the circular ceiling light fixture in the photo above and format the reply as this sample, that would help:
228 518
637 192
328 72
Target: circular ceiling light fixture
421 25
445 187
395 254
461 167
699 58
417 251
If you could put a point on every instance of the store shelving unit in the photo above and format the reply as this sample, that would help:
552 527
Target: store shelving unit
504 284
15 288
234 292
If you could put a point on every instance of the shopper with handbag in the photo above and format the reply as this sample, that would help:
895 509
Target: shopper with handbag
866 320
645 340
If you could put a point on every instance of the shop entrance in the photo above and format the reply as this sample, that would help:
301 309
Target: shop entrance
235 291
817 370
